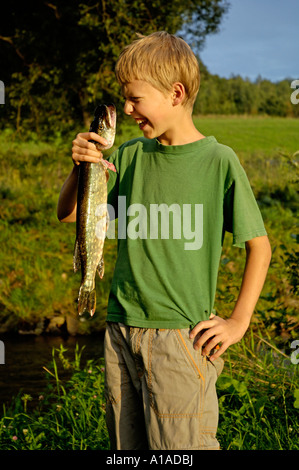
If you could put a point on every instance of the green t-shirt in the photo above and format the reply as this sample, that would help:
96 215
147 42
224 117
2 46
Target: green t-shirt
174 204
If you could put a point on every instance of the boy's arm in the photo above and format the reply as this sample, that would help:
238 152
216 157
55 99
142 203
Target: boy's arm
82 151
231 330
67 201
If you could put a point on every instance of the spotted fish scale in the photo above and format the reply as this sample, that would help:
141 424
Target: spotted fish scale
92 214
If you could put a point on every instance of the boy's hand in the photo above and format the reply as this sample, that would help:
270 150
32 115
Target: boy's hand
217 332
85 151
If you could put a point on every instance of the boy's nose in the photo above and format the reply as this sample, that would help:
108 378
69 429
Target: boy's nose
128 108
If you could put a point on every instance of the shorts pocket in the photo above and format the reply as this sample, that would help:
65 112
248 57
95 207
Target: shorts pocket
175 374
218 364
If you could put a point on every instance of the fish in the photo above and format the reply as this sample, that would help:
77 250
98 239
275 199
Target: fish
92 214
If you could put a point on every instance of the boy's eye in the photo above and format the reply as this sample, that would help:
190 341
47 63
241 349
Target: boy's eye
133 99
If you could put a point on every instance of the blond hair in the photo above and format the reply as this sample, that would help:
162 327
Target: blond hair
161 59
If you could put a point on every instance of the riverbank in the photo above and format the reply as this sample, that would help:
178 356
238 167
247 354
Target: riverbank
26 356
257 390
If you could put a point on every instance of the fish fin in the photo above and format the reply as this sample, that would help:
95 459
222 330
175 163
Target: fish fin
91 302
87 301
109 165
101 268
76 258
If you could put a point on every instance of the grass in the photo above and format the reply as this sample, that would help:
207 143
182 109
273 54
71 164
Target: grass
256 403
258 389
257 398
249 135
37 279
70 414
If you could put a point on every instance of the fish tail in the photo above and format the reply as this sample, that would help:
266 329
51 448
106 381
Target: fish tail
87 300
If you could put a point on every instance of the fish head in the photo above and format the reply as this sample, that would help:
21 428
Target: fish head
104 124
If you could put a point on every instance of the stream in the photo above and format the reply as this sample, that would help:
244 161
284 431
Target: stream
25 357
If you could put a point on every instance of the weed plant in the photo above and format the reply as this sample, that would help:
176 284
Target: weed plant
258 404
258 390
70 414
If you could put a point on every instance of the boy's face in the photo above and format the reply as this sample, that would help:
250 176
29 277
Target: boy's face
152 110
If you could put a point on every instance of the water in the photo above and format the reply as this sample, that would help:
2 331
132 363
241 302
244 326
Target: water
25 357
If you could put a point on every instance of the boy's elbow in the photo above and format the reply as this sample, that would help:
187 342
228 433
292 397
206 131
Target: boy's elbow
59 215
62 217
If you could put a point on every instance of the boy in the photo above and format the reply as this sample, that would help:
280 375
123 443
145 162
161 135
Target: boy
179 191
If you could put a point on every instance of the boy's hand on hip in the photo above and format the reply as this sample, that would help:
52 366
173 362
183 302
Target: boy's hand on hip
217 332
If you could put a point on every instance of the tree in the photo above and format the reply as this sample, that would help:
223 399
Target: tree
58 57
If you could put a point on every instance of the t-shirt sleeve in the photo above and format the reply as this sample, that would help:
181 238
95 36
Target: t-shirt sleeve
242 216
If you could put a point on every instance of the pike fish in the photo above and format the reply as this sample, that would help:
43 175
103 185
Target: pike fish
92 214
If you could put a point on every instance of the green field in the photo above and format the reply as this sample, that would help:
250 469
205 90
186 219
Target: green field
37 280
258 404
253 134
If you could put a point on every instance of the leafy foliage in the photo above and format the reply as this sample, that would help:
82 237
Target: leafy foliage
58 58
237 95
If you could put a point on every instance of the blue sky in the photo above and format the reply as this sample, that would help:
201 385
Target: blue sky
256 37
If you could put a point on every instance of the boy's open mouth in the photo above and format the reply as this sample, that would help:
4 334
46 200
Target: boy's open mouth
141 123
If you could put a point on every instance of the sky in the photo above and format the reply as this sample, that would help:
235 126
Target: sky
256 37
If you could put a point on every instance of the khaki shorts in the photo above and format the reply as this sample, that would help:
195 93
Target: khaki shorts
160 392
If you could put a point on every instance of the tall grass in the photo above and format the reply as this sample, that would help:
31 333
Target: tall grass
257 397
257 405
70 414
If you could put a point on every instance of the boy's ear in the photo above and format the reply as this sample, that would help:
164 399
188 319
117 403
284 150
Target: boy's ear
178 93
